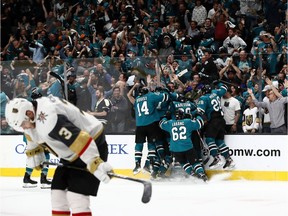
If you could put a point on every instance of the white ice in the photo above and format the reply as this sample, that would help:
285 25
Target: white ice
123 198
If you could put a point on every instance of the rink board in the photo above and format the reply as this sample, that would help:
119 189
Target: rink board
261 157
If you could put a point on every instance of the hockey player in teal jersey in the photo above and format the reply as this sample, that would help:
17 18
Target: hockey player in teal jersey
181 145
190 109
28 182
209 104
147 117
182 104
162 143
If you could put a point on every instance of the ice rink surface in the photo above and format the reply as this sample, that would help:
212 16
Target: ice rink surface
182 198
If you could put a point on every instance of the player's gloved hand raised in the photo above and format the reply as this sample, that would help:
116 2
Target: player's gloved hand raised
102 170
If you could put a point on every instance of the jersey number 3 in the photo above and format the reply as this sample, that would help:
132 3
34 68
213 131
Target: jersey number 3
65 133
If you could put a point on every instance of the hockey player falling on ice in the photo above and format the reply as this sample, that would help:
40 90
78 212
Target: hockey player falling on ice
76 137
209 104
181 146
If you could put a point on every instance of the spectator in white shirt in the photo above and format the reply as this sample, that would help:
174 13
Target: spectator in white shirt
233 42
250 123
231 110
199 13
212 11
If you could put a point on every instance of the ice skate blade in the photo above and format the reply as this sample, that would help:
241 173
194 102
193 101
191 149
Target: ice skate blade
135 172
45 186
231 167
217 165
28 185
158 179
146 170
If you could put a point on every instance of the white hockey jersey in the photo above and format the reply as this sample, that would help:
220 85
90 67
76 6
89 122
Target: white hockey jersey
68 132
235 42
250 119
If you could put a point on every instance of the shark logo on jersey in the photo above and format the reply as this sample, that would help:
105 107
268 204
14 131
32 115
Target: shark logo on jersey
42 117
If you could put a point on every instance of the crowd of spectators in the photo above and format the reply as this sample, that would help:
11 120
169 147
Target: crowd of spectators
91 50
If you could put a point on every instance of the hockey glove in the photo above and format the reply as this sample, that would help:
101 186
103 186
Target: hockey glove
101 169
35 157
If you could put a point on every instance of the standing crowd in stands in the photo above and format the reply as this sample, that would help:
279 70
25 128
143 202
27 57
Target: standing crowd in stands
91 52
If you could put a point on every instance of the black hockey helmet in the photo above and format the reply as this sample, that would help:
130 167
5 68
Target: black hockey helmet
179 114
205 88
181 98
142 90
35 93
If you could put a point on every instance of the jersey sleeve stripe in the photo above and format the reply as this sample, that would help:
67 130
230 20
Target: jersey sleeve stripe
224 87
200 122
161 123
81 143
165 97
85 147
200 110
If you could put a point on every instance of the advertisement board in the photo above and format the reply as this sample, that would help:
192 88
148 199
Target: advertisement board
264 155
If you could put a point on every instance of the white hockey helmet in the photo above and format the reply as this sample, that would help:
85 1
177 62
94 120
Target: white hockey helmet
15 112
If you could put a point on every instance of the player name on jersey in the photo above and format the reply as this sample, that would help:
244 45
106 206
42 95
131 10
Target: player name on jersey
185 104
178 123
143 98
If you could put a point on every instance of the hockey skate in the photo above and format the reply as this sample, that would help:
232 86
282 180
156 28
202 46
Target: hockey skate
147 167
137 168
155 176
229 164
203 176
193 174
28 182
206 161
216 162
45 183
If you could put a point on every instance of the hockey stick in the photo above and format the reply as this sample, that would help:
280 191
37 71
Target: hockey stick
147 193
202 144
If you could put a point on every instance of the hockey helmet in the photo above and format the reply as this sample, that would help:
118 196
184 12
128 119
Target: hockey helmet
205 89
35 93
190 96
142 90
181 98
15 112
179 114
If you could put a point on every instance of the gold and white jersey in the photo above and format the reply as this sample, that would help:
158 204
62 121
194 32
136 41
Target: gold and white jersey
68 132
250 119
